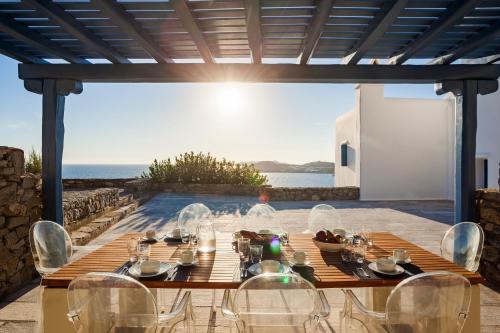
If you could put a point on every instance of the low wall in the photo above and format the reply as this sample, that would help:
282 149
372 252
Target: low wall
95 182
488 216
268 193
20 207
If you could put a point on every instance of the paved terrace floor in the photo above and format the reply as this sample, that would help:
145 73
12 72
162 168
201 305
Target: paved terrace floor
421 222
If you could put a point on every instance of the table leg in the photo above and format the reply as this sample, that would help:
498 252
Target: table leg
54 307
473 322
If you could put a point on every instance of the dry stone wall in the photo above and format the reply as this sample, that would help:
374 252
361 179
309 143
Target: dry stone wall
84 183
20 207
488 211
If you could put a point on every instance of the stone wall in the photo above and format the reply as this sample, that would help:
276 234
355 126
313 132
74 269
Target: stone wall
20 207
488 212
95 183
267 193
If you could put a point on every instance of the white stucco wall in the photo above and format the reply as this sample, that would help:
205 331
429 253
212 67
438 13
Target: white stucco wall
488 134
346 129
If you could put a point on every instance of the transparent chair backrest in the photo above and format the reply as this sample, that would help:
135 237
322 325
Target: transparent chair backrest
463 245
429 302
109 302
322 217
259 217
282 300
191 215
50 246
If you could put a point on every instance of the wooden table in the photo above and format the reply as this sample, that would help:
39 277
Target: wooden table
217 271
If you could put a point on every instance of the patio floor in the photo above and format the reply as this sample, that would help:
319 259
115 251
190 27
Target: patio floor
421 222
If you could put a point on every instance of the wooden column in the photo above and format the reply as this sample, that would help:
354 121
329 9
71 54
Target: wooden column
466 92
53 92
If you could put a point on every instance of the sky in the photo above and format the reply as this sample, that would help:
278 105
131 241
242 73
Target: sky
136 123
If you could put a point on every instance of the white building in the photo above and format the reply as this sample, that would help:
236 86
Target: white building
402 148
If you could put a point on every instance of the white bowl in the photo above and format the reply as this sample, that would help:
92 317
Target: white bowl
328 247
150 267
270 266
386 265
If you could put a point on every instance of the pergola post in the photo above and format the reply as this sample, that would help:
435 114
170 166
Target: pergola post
466 92
53 92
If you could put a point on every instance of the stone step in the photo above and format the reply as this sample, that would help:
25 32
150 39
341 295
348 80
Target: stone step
94 228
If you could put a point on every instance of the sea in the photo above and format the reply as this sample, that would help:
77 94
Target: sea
276 179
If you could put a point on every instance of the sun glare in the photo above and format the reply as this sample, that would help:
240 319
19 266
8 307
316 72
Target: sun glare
229 98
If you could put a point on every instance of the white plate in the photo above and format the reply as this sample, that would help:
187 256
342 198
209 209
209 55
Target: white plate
135 270
186 264
399 270
293 263
256 269
401 262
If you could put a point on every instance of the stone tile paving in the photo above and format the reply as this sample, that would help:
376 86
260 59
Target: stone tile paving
422 222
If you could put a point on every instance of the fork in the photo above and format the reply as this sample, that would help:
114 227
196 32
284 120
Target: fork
171 273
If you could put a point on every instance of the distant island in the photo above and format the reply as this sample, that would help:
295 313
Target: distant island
311 167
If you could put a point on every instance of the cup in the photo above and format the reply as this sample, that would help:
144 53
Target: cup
176 233
244 248
132 249
270 266
400 255
299 257
256 253
150 267
150 234
386 265
187 256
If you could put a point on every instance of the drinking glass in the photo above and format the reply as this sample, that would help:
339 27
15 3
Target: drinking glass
185 236
256 253
359 252
244 248
143 251
132 249
284 238
346 252
367 236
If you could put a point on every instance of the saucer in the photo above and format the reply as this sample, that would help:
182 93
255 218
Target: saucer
256 269
400 262
399 270
187 264
135 270
292 262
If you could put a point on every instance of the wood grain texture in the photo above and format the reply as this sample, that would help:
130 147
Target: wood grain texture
216 270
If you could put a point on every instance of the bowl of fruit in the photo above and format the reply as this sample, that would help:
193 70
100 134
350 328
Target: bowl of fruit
329 241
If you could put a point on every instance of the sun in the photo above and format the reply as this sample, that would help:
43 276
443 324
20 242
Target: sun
229 98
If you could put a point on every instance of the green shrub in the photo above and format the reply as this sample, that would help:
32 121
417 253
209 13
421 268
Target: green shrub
33 163
191 168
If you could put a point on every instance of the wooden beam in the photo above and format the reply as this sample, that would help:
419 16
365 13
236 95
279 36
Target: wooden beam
19 55
377 28
76 29
285 73
252 11
470 45
128 25
188 21
36 40
455 12
320 17
493 60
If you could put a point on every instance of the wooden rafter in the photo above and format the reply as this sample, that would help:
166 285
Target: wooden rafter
381 22
455 12
314 32
188 21
77 30
36 40
252 11
19 55
128 25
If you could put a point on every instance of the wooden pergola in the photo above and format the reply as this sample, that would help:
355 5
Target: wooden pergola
344 32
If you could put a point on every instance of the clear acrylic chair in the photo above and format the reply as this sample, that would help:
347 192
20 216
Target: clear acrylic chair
427 302
51 246
463 245
322 217
261 216
191 215
276 303
113 303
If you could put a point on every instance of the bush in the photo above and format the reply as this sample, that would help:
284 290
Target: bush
34 162
191 168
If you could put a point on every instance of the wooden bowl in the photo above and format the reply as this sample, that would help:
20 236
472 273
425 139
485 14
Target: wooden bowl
328 247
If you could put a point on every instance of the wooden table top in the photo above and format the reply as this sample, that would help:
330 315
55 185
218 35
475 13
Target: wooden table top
218 270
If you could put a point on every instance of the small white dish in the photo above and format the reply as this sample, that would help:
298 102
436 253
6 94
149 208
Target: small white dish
187 264
292 262
400 262
256 269
135 270
397 271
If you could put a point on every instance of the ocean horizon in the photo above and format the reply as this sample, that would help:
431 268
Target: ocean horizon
107 171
